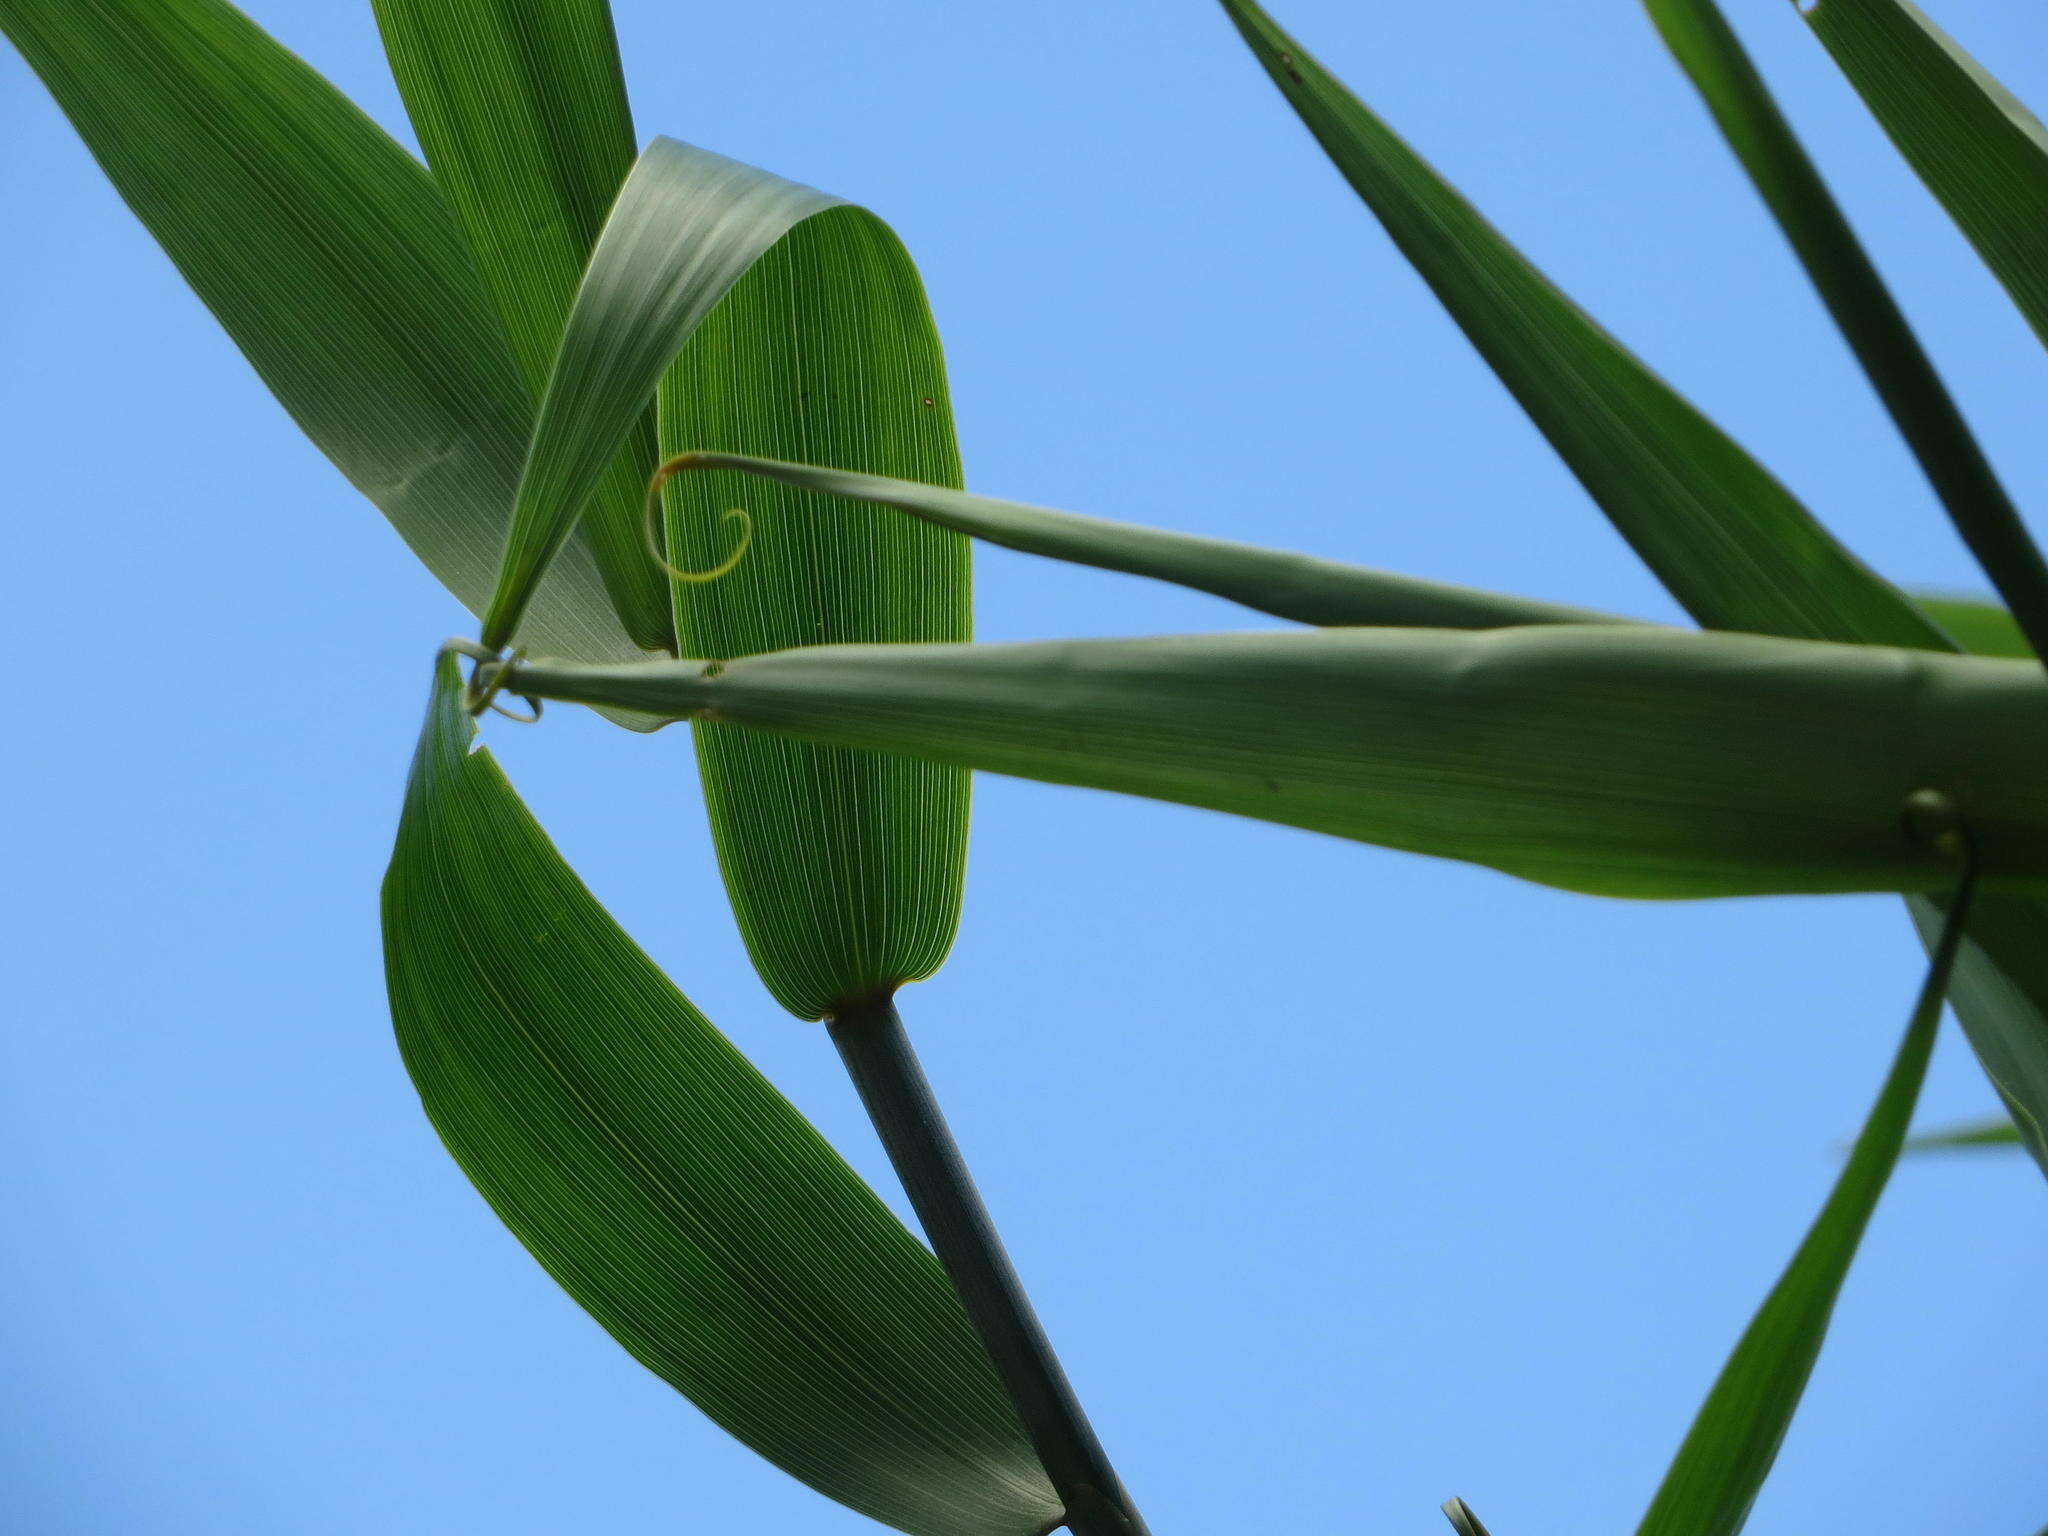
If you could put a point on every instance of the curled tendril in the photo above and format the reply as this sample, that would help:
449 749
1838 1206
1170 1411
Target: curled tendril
488 679
649 529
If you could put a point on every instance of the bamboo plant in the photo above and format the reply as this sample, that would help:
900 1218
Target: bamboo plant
676 430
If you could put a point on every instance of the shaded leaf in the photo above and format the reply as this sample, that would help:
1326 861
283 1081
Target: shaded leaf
1463 1521
1614 760
330 258
1735 1437
1982 153
521 108
1279 582
665 1184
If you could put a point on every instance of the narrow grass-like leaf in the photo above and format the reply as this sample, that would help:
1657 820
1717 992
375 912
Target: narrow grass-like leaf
687 224
1706 47
1735 1437
1674 485
1614 760
1727 541
330 258
521 108
665 1185
1982 153
1288 585
1463 1521
1981 628
1995 1132
844 867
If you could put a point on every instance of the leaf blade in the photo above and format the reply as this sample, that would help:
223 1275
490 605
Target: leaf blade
1614 760
1981 153
329 257
1734 1439
521 109
668 1187
685 227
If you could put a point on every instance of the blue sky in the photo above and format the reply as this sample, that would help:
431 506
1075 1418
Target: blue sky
1344 1180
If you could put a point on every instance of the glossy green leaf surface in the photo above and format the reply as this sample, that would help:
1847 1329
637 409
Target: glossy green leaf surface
521 108
331 259
844 867
665 1184
1280 582
1995 1132
1981 152
1870 321
1735 1437
1615 760
1673 484
687 224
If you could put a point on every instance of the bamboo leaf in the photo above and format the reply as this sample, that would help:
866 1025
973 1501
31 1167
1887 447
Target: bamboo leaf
1700 39
687 224
328 255
844 867
1279 582
665 1185
1735 550
521 108
1979 151
1673 484
1614 760
1735 1437
1997 1131
1979 627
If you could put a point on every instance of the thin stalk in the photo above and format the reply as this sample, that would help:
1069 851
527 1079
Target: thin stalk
1862 307
892 1085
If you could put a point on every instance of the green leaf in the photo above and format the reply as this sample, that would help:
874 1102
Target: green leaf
665 1184
1735 1437
1463 1521
521 108
1997 1131
1615 760
1700 39
1979 627
1279 582
844 867
1726 540
686 226
1982 153
1676 487
330 258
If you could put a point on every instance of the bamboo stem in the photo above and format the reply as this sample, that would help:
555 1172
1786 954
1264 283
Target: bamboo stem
892 1085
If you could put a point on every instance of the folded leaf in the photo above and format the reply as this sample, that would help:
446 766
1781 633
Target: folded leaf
665 1185
1982 153
687 224
844 867
1735 1437
1995 1132
1674 485
330 258
521 108
1615 760
1703 43
1279 582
